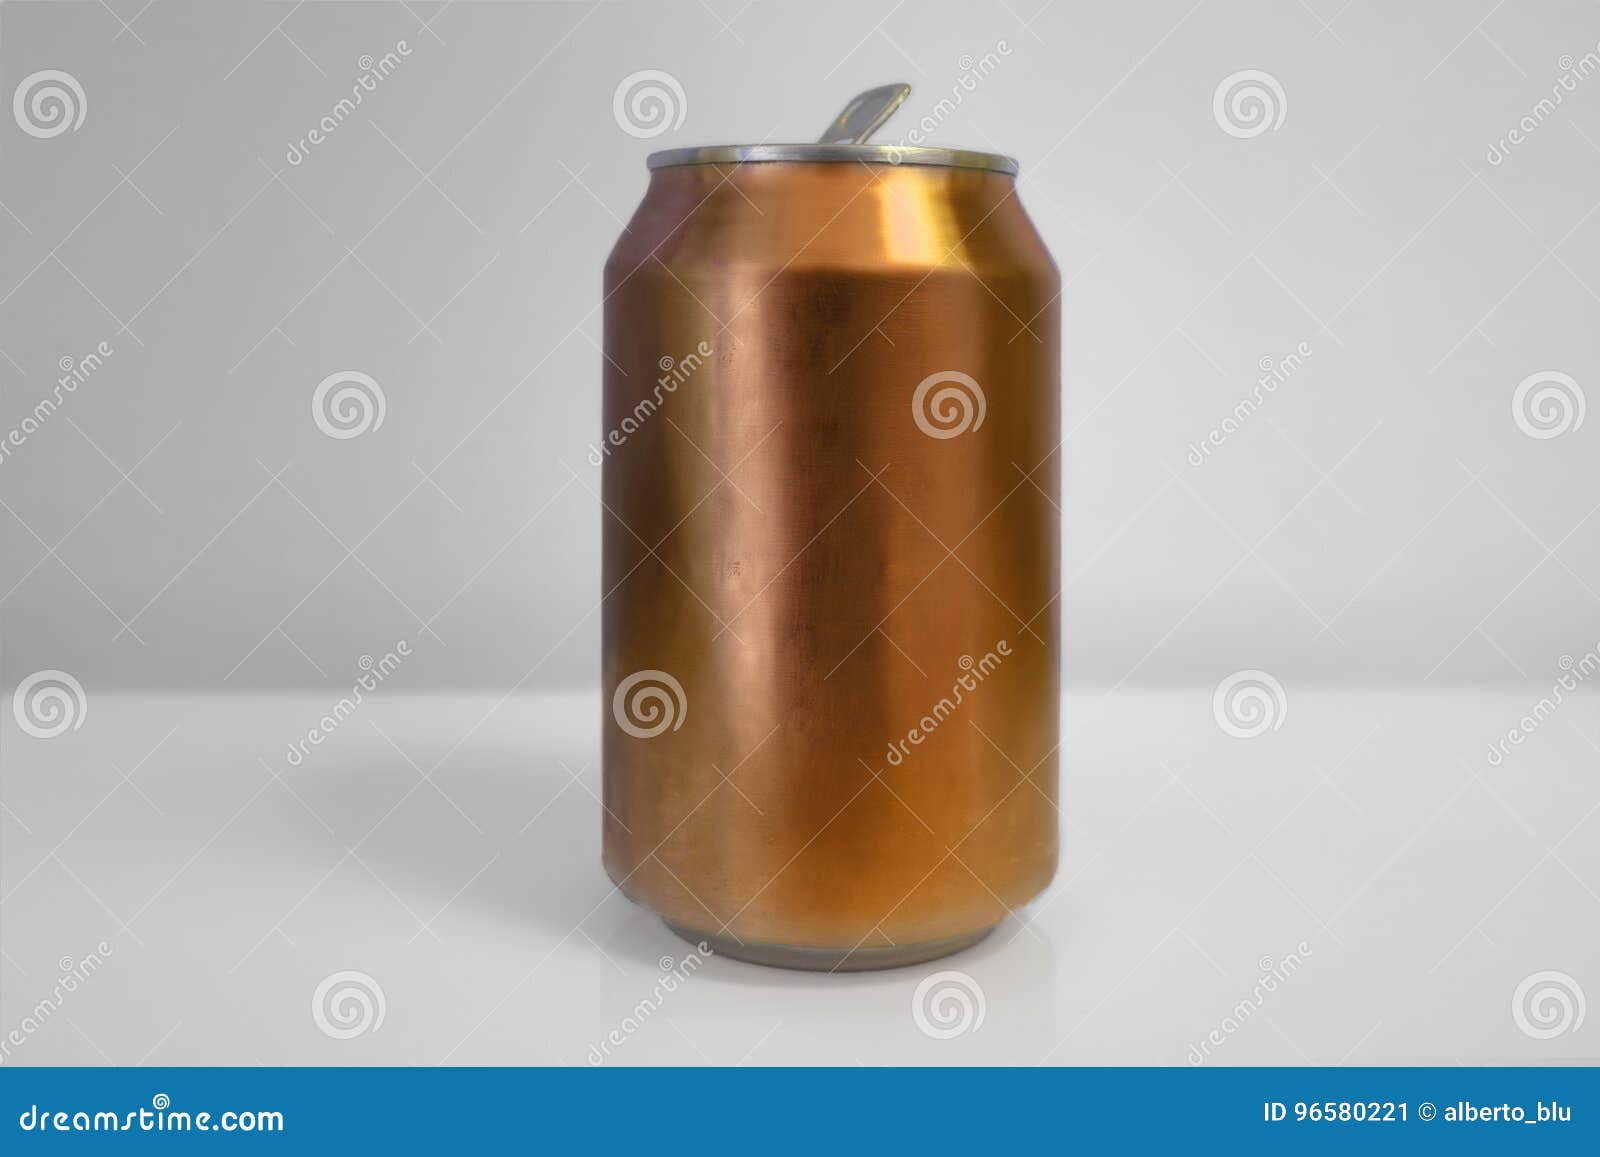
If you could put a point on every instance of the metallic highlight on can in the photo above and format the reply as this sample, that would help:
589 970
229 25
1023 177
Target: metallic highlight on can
831 625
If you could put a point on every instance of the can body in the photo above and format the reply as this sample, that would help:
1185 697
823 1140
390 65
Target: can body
830 627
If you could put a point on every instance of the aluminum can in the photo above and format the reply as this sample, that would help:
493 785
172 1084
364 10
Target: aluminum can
831 552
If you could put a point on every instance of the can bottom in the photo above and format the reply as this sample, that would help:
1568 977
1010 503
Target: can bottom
829 959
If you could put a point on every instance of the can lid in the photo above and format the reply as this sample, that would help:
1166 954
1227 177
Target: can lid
844 141
835 154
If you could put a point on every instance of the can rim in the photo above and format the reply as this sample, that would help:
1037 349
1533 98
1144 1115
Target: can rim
835 154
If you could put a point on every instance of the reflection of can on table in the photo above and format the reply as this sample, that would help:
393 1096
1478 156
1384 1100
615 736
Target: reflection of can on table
831 552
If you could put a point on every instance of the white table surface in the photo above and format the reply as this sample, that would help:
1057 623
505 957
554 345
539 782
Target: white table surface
447 847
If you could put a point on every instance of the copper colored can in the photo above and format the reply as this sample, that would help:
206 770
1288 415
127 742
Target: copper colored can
831 625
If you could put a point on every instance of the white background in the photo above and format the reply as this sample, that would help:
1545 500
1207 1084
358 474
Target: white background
1383 536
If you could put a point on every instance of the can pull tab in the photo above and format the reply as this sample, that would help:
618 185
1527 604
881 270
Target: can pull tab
865 115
